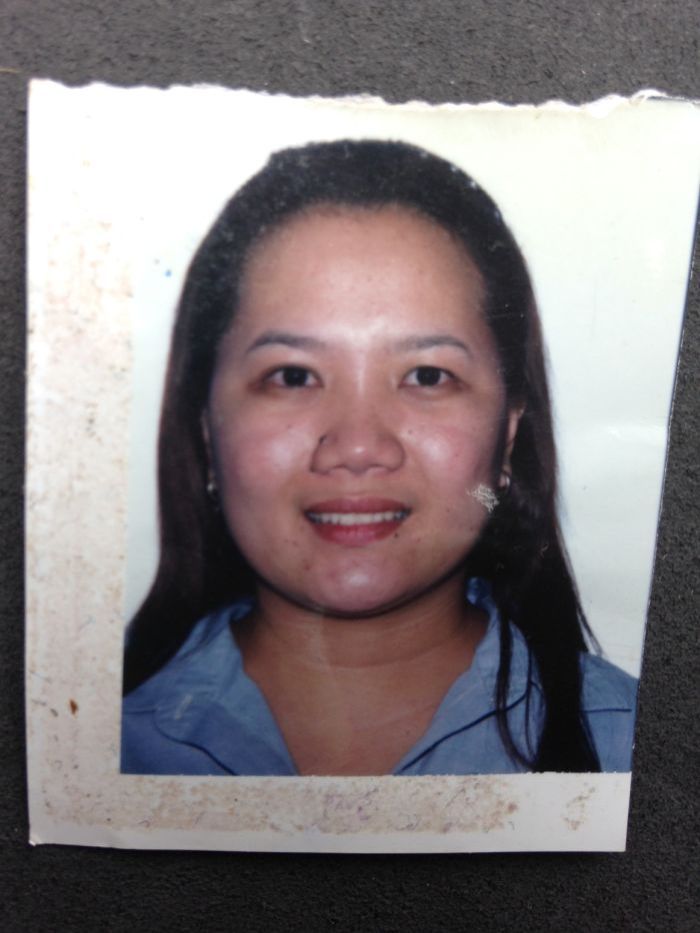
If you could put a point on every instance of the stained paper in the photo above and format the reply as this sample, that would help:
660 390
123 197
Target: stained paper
123 185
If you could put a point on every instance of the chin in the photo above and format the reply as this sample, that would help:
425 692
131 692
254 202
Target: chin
358 608
351 598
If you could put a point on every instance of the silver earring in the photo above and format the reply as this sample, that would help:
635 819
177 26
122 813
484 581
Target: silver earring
212 492
505 483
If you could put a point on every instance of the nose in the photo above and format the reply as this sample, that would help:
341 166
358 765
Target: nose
359 441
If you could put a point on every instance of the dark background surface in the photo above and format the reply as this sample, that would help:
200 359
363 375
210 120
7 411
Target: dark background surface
437 50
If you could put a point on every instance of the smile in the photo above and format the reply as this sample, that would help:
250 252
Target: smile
356 523
356 518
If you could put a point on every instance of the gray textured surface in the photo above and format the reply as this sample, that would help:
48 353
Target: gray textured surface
437 50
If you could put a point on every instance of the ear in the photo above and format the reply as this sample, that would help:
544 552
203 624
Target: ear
212 485
205 425
513 417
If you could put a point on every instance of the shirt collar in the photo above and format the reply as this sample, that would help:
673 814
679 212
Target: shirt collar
212 704
472 697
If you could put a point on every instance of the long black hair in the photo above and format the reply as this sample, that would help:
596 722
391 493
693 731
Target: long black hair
520 551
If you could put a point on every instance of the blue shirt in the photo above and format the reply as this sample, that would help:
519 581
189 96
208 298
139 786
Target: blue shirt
202 715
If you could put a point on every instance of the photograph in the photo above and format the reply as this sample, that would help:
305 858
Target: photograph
364 414
361 569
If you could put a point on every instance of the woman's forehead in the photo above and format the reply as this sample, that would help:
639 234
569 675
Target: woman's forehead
389 248
392 216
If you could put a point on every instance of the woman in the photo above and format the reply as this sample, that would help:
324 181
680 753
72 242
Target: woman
361 567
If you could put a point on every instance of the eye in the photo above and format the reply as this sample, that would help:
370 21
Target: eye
428 377
292 377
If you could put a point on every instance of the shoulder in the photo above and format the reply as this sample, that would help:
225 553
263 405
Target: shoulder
608 702
605 686
154 714
201 714
206 647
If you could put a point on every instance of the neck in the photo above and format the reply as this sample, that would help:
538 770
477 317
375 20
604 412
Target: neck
399 636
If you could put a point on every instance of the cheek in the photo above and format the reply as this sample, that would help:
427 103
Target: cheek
456 458
459 471
254 458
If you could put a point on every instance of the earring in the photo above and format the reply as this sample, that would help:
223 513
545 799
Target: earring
212 491
505 483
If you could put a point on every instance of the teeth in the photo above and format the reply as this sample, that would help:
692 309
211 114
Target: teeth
356 518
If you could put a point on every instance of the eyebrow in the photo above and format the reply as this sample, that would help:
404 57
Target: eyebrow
297 341
304 342
429 341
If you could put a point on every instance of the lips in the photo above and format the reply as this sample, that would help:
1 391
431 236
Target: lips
356 522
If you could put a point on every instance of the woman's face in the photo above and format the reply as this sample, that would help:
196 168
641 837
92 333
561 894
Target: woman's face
357 410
